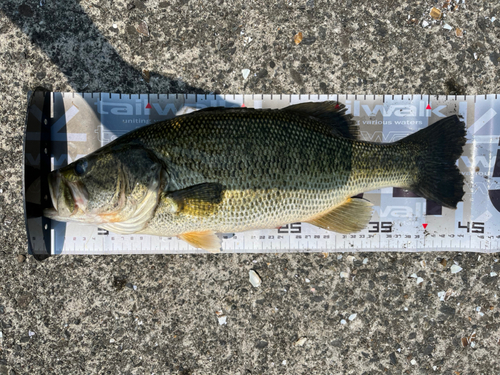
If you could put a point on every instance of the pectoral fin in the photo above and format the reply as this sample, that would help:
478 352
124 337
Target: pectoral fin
352 216
198 200
206 240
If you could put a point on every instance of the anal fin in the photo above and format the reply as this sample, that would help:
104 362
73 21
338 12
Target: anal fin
206 240
351 216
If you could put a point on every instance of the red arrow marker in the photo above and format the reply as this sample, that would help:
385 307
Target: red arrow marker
148 106
243 105
428 106
424 225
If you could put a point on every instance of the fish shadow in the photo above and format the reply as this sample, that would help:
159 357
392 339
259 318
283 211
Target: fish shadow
70 39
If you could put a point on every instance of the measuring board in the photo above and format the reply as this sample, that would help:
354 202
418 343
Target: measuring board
62 127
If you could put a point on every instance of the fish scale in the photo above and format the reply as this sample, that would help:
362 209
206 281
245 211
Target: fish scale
282 152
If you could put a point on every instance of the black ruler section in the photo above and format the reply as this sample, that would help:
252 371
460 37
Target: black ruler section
37 151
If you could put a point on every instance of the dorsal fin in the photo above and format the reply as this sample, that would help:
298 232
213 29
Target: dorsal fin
212 109
332 114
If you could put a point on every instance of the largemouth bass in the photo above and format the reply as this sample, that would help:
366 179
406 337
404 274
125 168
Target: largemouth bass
222 170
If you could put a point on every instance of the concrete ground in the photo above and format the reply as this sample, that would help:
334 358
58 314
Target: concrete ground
157 314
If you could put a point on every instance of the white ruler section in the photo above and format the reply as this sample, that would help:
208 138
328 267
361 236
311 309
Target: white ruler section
401 222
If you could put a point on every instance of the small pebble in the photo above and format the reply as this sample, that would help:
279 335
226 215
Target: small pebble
343 321
455 268
441 295
419 280
245 73
300 342
352 317
222 320
344 275
436 13
21 258
254 278
393 359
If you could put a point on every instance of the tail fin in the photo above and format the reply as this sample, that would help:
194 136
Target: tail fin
438 178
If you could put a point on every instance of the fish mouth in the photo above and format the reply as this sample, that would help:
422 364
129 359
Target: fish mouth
79 195
68 198
54 181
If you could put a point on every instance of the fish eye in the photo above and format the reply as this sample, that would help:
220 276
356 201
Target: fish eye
81 167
